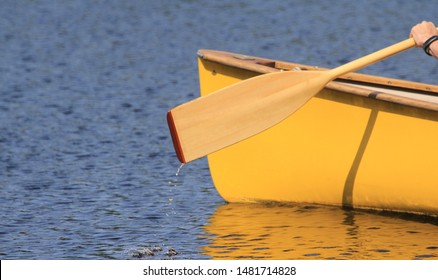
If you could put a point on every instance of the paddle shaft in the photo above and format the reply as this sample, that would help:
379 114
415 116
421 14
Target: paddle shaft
372 58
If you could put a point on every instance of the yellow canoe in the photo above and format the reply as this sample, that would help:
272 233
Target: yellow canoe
363 142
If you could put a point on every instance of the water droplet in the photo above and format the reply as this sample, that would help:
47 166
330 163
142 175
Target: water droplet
179 169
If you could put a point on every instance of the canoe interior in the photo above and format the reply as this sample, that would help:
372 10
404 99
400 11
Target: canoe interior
382 88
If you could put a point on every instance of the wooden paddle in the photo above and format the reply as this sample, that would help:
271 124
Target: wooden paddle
232 114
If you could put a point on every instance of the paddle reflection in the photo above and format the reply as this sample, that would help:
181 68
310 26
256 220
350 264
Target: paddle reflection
255 231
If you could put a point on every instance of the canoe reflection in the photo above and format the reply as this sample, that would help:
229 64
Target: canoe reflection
257 231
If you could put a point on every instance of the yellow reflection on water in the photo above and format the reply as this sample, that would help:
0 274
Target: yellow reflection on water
257 231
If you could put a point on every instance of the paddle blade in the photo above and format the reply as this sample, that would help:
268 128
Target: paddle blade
232 114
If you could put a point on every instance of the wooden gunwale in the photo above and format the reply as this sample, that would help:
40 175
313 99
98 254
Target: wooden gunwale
345 83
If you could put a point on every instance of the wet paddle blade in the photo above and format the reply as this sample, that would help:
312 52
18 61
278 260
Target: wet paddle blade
225 117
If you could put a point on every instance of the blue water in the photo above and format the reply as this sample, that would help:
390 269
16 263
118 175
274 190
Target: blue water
87 168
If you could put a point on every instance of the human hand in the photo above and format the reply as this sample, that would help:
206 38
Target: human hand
423 31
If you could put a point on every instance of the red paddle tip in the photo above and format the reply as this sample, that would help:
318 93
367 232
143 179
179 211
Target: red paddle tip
175 138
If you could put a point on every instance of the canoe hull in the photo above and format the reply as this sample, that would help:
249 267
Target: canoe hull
339 149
